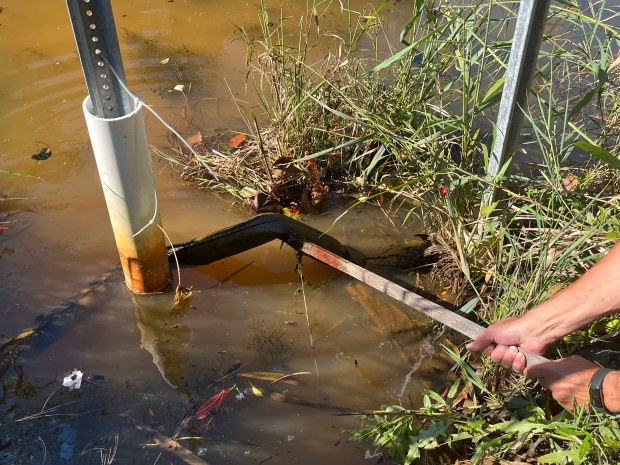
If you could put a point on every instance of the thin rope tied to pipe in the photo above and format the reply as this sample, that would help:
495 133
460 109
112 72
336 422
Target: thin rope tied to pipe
199 157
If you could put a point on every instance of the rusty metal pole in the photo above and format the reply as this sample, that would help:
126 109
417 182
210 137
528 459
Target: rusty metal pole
117 132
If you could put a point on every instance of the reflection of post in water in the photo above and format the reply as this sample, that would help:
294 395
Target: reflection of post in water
165 334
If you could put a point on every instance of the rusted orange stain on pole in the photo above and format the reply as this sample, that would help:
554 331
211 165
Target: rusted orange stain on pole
146 269
145 274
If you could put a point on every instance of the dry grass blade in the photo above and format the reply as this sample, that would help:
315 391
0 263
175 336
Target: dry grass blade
281 378
49 412
107 456
273 377
44 447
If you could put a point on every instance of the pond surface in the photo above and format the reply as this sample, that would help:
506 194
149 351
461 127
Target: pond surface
148 367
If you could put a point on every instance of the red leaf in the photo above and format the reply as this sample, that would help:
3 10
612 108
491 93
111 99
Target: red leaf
3 228
213 403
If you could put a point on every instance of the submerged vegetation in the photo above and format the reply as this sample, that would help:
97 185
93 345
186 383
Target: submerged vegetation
412 128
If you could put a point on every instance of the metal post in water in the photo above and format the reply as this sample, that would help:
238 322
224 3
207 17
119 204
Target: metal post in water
117 132
523 57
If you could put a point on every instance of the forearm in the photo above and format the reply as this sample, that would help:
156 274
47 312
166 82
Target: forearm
594 295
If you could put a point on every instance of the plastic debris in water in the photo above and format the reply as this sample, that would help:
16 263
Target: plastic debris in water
73 380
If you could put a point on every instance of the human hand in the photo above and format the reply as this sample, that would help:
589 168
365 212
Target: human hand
501 341
568 379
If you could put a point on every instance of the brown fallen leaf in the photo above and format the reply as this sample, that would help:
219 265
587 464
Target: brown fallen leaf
283 170
237 141
195 139
570 182
314 171
319 193
182 299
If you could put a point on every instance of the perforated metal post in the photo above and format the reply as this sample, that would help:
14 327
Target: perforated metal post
95 34
118 135
523 57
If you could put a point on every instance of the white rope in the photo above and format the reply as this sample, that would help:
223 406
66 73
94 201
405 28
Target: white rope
162 121
152 220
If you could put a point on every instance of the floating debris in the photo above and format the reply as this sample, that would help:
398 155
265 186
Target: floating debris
237 141
213 403
43 154
11 348
274 377
73 380
182 299
255 391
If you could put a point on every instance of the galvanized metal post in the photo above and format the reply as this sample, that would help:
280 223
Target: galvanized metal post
117 131
523 57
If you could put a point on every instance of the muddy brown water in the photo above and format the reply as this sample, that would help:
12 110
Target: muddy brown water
246 310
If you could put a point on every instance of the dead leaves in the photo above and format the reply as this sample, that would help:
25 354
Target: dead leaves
43 153
319 190
292 189
237 141
182 299
195 140
211 405
269 183
284 171
570 183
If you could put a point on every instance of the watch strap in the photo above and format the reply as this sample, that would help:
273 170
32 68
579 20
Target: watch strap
595 389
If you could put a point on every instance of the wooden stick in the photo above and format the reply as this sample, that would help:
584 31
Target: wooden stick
413 300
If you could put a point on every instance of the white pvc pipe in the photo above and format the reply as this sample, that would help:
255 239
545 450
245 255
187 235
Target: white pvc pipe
122 154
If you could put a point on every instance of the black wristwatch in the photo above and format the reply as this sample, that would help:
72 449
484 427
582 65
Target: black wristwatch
596 390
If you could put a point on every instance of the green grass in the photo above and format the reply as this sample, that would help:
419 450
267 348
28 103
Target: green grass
468 422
